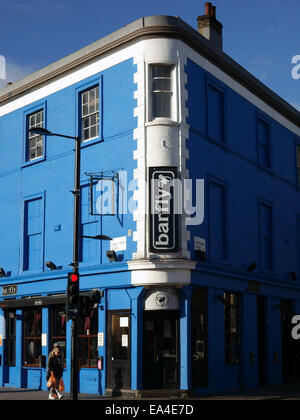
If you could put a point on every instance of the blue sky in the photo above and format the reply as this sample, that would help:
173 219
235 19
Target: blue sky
263 36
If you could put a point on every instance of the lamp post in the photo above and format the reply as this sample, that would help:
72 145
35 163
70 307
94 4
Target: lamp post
75 262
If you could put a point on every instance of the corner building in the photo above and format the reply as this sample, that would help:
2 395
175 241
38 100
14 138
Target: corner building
191 302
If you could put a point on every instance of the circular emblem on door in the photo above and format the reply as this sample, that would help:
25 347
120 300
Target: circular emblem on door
161 300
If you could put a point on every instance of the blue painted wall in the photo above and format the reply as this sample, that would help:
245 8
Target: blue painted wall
234 164
236 184
52 177
50 180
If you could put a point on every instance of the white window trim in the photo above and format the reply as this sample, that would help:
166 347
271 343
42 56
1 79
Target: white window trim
90 114
150 120
36 136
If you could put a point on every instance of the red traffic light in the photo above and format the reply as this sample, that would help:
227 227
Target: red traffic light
72 290
74 277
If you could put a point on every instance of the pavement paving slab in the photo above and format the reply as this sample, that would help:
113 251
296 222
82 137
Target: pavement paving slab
280 392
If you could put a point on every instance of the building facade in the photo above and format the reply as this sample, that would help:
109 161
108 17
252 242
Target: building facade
199 292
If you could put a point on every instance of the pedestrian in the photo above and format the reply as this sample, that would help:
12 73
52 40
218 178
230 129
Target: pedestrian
55 365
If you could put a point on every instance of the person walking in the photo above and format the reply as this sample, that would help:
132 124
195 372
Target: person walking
55 365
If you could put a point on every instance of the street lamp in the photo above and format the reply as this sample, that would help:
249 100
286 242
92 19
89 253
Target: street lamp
44 132
75 263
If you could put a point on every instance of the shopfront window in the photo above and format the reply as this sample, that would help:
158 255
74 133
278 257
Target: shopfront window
88 340
32 336
58 327
10 320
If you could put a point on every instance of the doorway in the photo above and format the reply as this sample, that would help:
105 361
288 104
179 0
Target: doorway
290 347
199 338
262 339
118 351
161 350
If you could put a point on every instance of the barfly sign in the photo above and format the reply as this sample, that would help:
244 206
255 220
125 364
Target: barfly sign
163 218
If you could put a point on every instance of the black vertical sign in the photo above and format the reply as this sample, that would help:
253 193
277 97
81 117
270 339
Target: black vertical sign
163 220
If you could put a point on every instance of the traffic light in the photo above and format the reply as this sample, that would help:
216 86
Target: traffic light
89 302
72 293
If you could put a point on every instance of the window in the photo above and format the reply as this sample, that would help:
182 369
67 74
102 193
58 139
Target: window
90 114
298 163
266 237
217 222
232 314
10 352
88 340
263 132
216 113
161 89
35 141
32 336
58 327
33 235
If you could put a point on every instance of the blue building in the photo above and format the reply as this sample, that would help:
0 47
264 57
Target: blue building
192 167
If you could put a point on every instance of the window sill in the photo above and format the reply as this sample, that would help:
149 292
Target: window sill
91 142
163 121
33 162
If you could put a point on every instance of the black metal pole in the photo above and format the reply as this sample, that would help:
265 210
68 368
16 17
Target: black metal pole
75 263
76 227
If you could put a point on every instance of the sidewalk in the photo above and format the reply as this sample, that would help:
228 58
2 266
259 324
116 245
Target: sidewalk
37 395
281 392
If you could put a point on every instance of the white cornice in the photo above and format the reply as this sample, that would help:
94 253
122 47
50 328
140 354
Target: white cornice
161 264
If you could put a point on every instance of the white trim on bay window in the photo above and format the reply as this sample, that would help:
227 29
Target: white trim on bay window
162 92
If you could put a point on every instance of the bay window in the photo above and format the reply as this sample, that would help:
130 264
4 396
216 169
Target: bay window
161 91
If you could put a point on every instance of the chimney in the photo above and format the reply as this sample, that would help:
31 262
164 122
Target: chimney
211 28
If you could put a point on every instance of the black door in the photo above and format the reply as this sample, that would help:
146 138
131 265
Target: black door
161 350
119 351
